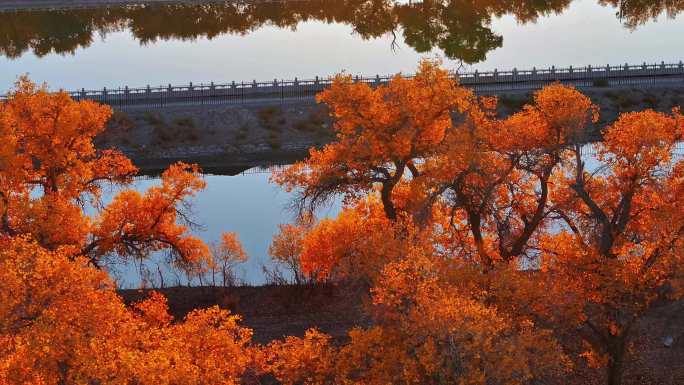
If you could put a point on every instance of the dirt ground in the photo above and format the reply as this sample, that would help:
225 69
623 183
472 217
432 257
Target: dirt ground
226 139
274 312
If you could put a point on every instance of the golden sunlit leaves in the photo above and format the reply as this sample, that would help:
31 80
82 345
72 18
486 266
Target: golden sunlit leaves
381 132
63 324
135 224
61 321
514 211
51 168
482 239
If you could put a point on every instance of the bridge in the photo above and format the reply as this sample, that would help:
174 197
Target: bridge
491 82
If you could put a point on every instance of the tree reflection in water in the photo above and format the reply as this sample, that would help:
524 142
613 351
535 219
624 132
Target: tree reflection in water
460 29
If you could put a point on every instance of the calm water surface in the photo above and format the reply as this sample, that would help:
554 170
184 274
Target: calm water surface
247 204
157 45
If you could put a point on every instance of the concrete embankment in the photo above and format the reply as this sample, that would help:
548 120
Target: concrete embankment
229 139
221 139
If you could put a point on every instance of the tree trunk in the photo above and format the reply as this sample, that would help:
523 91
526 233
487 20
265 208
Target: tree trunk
387 204
616 351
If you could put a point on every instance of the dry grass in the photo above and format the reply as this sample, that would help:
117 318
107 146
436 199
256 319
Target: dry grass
515 102
121 121
271 118
179 131
315 121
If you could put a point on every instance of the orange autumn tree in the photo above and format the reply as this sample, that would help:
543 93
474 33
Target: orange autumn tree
620 249
286 249
504 191
61 322
382 134
355 245
50 170
425 333
496 177
226 255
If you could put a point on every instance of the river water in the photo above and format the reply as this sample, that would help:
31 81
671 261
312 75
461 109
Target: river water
247 203
247 40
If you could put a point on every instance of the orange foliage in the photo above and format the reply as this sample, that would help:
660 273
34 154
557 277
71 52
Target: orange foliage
509 212
49 168
356 244
62 323
473 230
286 248
226 254
426 333
620 246
309 360
381 133
135 225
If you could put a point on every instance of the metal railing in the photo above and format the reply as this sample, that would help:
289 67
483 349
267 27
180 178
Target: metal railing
280 90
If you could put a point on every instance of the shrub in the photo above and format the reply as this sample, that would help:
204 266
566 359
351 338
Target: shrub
600 83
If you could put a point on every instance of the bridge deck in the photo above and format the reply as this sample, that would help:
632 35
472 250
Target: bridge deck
482 82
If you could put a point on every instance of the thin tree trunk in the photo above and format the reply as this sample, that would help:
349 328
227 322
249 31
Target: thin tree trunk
387 204
616 351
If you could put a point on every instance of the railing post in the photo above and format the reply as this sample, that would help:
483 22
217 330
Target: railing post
202 93
377 80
